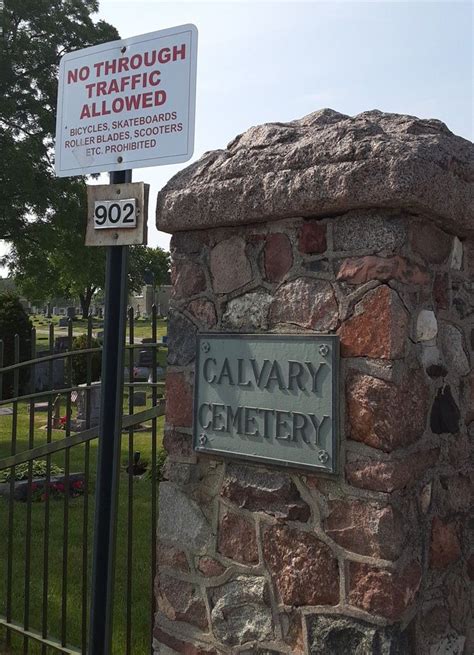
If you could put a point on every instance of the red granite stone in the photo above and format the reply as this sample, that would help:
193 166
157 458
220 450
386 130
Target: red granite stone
387 476
383 592
303 567
470 567
366 528
445 547
259 490
204 311
179 400
312 238
210 567
386 415
237 538
441 291
362 269
180 601
277 256
172 557
378 328
188 279
468 385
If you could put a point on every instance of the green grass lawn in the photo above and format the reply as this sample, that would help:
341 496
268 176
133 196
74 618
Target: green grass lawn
142 328
141 526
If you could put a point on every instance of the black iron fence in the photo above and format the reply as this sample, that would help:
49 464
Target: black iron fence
48 444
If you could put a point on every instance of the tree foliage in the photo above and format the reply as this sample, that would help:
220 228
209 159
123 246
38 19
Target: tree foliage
36 34
14 320
44 217
148 266
79 363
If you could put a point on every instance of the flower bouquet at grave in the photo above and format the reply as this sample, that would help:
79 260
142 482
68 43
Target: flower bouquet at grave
40 491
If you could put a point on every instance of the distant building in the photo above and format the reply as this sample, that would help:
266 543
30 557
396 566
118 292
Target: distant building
142 302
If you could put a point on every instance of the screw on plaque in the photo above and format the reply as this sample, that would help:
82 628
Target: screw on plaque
323 456
202 439
206 346
324 350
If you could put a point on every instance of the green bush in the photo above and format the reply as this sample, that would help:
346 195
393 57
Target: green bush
161 456
79 362
14 320
39 471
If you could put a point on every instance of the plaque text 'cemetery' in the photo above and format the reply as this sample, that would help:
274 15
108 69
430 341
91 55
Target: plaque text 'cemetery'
268 398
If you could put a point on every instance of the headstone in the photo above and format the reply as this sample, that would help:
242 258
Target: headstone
63 322
145 357
139 398
61 344
55 311
41 407
71 312
80 423
48 310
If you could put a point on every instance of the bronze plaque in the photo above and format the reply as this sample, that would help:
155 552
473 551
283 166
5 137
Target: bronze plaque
269 398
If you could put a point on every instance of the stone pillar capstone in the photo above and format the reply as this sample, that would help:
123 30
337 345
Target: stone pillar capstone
360 227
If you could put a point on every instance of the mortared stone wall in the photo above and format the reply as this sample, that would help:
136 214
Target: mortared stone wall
361 227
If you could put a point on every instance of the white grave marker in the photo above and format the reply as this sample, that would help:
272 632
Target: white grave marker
127 104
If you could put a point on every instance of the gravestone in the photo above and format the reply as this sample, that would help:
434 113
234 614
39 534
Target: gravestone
71 313
81 399
61 344
145 357
63 322
353 229
139 398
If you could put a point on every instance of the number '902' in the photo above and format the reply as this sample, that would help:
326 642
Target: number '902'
115 213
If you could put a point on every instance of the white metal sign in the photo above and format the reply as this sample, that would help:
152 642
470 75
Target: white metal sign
110 214
127 104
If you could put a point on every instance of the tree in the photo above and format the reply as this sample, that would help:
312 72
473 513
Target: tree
51 260
148 266
55 262
36 34
40 214
14 320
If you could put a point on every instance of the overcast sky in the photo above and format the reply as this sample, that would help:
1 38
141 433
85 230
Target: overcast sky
277 61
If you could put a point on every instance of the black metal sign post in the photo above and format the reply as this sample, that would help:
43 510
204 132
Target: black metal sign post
110 427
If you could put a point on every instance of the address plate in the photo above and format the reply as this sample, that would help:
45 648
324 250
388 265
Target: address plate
269 398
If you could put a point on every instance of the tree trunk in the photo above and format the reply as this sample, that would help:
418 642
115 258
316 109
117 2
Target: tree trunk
85 299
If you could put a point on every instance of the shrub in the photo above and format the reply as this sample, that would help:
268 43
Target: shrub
39 471
79 362
14 320
161 456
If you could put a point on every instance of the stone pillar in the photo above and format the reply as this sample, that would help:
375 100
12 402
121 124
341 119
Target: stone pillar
360 227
